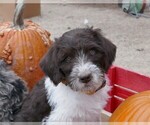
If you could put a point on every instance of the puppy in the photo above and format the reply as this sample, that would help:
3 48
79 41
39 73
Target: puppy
76 87
13 90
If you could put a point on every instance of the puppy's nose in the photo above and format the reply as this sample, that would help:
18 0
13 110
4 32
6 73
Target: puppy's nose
85 79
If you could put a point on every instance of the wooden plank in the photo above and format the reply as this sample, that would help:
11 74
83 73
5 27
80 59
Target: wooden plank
111 74
132 80
117 102
122 92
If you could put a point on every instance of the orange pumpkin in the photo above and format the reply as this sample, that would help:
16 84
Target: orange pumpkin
22 45
134 109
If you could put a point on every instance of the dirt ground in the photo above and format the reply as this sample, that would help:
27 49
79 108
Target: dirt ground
130 35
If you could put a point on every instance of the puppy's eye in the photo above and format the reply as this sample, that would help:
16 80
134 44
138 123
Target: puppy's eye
67 59
92 52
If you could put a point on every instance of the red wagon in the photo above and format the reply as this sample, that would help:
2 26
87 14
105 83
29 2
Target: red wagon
124 84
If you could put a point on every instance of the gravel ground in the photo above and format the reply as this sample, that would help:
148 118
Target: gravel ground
130 35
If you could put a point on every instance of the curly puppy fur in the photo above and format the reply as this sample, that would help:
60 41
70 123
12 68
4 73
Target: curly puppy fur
13 90
77 61
35 106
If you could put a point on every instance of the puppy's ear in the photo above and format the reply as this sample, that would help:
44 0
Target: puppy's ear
108 47
110 52
49 64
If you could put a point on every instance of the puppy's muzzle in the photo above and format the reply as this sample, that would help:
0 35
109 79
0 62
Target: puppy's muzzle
93 92
89 92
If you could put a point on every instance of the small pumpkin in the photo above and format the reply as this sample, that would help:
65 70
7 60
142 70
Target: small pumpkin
136 108
22 45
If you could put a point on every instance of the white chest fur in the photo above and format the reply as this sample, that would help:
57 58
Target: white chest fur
71 106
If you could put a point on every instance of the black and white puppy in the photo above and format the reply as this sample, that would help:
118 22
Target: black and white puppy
76 86
13 90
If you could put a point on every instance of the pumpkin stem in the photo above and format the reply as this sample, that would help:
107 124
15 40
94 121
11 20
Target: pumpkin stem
18 16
